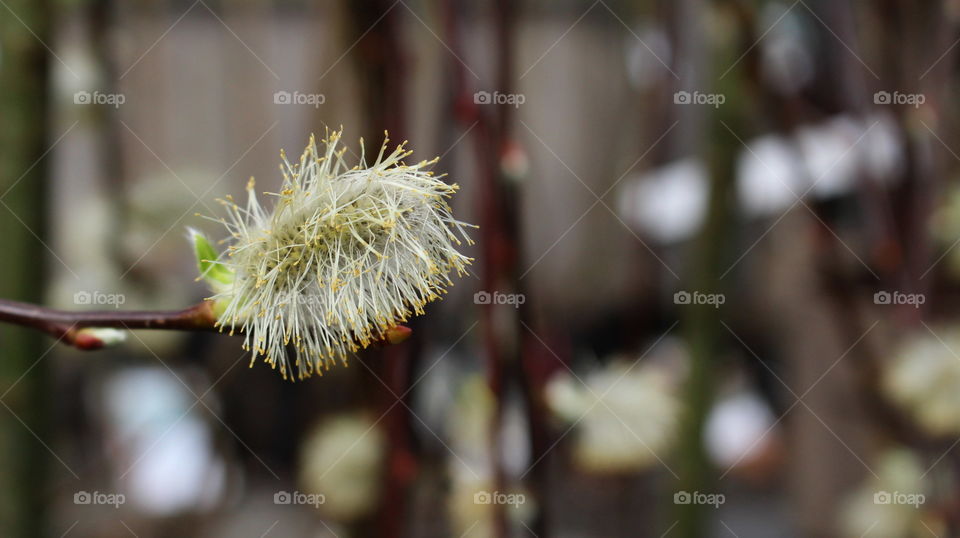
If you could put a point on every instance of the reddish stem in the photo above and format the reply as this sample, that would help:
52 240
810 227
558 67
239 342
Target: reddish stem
65 325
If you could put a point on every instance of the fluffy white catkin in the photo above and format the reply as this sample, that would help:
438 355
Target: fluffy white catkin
343 254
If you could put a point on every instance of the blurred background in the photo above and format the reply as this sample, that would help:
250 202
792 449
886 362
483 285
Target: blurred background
714 292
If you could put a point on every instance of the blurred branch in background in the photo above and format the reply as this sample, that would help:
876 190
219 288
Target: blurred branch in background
25 30
381 64
504 338
711 256
102 16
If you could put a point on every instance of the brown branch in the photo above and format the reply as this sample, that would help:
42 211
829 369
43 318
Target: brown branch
68 326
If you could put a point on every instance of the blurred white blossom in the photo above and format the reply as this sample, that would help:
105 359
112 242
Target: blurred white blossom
740 430
342 459
625 414
923 377
882 506
162 452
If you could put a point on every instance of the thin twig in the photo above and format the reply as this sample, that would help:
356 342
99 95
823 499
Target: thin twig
66 325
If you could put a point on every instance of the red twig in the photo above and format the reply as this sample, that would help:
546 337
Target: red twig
66 325
499 226
383 68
